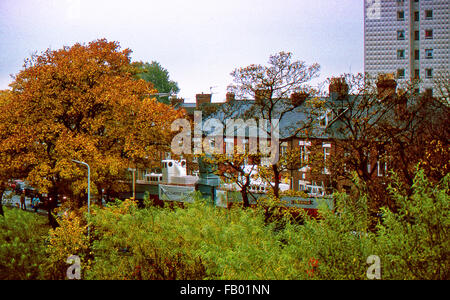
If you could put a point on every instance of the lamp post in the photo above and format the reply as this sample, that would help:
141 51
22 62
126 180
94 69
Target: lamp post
88 187
133 183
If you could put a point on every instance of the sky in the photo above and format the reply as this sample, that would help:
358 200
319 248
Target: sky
200 42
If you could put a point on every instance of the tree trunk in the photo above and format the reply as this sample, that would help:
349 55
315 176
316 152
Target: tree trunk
53 200
244 194
276 186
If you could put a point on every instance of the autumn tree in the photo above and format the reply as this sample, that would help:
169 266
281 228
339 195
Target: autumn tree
3 174
6 169
234 169
379 127
81 102
441 84
279 89
157 75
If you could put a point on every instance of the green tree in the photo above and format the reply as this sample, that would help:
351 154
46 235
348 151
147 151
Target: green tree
153 72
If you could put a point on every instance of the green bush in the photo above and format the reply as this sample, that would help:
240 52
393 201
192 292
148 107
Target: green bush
195 242
22 245
200 241
415 241
412 243
335 246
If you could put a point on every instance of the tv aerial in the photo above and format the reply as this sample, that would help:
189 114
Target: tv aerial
211 88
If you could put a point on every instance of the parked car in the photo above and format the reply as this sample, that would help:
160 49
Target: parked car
45 201
21 186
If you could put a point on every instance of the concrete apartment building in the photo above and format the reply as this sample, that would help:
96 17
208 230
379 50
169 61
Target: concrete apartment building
409 38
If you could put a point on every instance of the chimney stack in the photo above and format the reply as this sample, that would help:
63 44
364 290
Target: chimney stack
261 95
338 88
202 98
175 102
386 86
230 97
297 99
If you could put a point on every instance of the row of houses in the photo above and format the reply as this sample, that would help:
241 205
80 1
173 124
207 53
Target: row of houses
318 144
324 146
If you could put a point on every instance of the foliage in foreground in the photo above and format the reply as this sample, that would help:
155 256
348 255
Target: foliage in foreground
22 245
200 241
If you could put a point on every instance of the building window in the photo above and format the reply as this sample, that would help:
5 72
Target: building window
229 146
429 33
428 53
325 118
429 14
283 149
416 35
429 73
401 73
301 186
417 74
381 168
304 153
416 16
326 155
400 35
400 15
400 54
416 54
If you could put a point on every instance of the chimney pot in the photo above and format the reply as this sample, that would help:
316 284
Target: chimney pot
230 97
299 98
386 86
202 98
261 95
338 88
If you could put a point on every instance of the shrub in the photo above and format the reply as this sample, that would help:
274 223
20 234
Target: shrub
195 242
414 242
22 245
131 244
334 246
200 241
69 238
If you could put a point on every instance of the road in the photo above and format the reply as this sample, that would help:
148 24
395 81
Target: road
11 199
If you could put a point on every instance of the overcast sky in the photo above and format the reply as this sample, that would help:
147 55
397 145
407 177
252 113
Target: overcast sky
200 42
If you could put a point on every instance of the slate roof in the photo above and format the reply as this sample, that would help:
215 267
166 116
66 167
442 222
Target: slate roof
244 109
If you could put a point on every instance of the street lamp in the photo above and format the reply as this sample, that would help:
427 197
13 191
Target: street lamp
133 182
89 186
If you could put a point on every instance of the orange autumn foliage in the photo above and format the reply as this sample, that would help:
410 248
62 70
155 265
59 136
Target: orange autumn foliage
81 102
